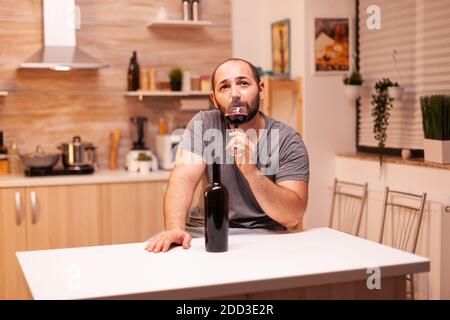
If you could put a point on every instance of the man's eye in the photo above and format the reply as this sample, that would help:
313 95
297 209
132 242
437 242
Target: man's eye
245 83
223 87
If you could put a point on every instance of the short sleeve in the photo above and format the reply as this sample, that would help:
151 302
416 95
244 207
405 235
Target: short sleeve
294 160
192 140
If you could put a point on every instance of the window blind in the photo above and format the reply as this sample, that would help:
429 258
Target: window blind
419 30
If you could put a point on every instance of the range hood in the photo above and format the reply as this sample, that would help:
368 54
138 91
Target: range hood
60 51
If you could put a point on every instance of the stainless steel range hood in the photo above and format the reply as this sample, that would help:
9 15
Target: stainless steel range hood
60 51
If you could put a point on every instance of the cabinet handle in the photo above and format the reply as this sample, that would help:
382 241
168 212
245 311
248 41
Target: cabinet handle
33 198
19 209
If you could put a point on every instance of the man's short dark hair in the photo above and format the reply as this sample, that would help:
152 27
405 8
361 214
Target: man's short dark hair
255 72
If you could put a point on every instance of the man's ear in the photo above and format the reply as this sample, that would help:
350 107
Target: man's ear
262 90
213 99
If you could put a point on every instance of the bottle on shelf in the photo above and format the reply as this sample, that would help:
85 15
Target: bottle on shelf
216 214
185 9
3 157
195 8
133 73
14 162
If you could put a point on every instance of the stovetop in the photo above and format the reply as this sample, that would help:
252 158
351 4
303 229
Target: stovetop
40 172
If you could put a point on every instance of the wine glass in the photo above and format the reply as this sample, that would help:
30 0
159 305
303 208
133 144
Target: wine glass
236 114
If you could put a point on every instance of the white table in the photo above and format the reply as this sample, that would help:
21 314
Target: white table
315 263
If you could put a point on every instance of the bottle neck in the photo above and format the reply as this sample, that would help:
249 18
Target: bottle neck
216 173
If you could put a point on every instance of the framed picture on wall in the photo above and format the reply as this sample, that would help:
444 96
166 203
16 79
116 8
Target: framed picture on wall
332 46
281 48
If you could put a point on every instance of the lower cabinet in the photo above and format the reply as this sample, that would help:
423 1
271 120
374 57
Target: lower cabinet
50 217
132 212
63 216
13 238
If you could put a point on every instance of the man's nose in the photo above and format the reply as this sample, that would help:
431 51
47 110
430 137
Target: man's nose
235 91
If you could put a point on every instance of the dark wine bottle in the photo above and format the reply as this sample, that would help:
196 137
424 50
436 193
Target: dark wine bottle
216 214
133 73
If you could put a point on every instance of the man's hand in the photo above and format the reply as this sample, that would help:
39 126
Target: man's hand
245 152
163 240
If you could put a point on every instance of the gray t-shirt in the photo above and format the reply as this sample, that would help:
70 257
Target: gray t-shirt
282 156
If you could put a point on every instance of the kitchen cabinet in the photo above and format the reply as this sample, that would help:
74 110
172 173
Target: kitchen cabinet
44 218
12 239
132 212
63 216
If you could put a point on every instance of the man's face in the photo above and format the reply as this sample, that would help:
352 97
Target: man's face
235 84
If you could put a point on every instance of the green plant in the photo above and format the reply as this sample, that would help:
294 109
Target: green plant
436 116
144 157
382 105
354 79
176 75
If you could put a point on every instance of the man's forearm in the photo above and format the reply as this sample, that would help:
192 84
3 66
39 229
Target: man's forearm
279 203
177 201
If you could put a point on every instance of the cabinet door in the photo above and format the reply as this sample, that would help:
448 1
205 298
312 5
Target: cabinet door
12 239
63 216
132 211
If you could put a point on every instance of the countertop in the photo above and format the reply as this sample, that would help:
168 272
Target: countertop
102 176
253 263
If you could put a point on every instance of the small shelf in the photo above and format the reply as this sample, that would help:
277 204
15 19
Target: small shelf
3 93
142 94
179 24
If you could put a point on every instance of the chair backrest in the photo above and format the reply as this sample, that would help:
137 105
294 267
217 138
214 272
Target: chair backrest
401 220
347 206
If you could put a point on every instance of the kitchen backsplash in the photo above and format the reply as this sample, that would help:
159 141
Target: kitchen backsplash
48 107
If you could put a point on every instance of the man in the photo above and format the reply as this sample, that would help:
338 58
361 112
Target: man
259 198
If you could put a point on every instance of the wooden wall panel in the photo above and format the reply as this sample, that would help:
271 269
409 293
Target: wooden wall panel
47 107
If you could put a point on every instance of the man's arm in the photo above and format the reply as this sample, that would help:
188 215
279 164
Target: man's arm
284 202
188 171
178 198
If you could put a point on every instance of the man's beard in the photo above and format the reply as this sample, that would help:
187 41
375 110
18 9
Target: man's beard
252 107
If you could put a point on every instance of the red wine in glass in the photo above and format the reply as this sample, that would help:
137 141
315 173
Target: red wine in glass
236 116
236 119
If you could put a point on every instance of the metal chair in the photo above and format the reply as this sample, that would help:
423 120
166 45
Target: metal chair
400 229
347 206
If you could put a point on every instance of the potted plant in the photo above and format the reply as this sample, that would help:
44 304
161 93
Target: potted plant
396 91
353 85
436 127
144 161
176 76
381 107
